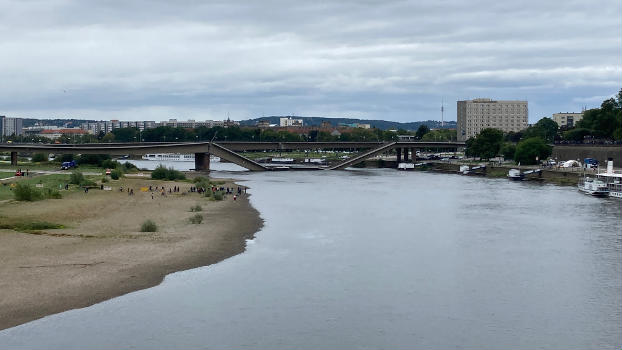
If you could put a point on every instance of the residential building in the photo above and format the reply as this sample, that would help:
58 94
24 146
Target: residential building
11 126
568 120
56 133
289 121
482 113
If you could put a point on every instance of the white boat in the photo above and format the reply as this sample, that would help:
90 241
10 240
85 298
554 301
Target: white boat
282 160
405 166
515 174
612 179
593 187
173 157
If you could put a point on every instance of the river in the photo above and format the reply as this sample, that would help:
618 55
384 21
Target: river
376 258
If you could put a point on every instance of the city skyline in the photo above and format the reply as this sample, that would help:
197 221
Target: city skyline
386 60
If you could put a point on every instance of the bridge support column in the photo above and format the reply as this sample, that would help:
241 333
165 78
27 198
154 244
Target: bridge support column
13 158
201 161
399 154
406 154
414 154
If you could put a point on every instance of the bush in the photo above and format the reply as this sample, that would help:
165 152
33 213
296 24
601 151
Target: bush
116 174
39 157
105 180
208 193
196 219
148 226
196 208
162 173
76 178
52 194
200 179
24 192
129 166
110 164
218 195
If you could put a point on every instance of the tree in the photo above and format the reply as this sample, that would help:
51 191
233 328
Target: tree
486 144
423 129
39 157
527 151
576 134
545 128
508 150
606 121
109 137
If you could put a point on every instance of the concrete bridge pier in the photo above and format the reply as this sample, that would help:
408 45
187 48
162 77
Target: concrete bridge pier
201 161
414 154
13 158
406 154
399 154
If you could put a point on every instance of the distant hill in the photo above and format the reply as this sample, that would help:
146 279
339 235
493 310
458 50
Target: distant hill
379 124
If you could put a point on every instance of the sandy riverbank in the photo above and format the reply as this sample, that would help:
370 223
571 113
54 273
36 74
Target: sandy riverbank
101 254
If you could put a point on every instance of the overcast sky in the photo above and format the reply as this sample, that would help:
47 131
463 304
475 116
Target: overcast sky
393 60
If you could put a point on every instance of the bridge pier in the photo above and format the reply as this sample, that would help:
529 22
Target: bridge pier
399 154
414 154
405 154
13 158
201 161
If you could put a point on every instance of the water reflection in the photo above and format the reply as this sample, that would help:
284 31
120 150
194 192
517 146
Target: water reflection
382 259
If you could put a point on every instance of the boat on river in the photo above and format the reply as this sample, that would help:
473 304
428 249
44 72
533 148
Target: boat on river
173 157
593 187
515 174
612 179
405 166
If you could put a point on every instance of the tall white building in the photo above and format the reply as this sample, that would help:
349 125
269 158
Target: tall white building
482 113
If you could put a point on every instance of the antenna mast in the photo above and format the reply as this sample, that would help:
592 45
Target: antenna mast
442 112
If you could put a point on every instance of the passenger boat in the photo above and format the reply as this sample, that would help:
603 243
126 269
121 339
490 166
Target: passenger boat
593 187
405 166
515 174
612 179
173 157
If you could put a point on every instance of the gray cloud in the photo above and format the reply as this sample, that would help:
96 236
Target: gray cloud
371 59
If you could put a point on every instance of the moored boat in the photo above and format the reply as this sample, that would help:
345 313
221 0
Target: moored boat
405 166
173 157
515 174
593 187
612 179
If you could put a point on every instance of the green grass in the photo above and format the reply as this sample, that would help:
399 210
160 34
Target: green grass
5 174
30 226
49 181
6 165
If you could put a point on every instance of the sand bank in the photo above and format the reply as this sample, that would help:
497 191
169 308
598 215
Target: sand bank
101 254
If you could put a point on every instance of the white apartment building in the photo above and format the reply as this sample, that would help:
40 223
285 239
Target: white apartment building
482 113
289 121
567 119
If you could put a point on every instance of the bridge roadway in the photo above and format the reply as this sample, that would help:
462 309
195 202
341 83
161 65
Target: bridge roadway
224 149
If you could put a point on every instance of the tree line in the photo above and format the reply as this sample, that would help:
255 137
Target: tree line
533 144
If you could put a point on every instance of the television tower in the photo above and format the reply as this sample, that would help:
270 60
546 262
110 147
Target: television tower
442 112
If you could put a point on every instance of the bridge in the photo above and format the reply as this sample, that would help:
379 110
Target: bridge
228 150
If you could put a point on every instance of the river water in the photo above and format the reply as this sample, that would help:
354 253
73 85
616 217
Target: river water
382 259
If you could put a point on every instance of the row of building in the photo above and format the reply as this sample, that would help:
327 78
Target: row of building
108 126
508 116
473 116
